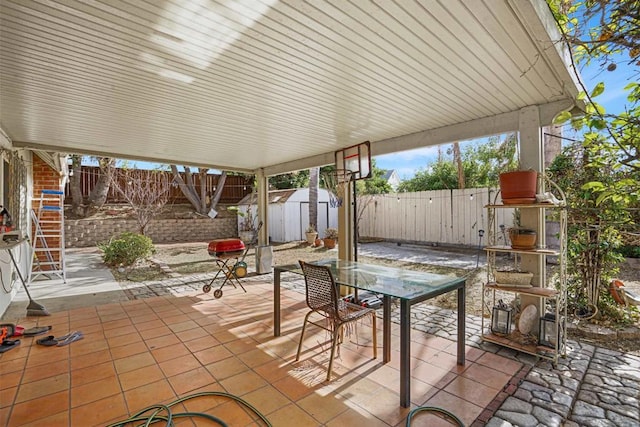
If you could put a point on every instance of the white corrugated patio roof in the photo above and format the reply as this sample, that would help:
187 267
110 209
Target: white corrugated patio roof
279 85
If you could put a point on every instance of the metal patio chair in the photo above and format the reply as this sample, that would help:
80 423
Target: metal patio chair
322 298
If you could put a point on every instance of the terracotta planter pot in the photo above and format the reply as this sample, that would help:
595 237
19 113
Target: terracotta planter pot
523 238
329 243
518 187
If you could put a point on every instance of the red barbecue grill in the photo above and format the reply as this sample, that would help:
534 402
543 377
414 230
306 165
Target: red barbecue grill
226 250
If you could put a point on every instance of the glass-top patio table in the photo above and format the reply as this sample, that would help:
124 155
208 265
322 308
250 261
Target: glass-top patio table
410 287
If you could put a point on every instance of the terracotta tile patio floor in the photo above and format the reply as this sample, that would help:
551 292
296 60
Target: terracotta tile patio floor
143 352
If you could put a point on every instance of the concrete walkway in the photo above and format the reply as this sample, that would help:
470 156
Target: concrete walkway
593 386
466 259
89 282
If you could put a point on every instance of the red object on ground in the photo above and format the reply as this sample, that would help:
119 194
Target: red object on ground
615 293
226 247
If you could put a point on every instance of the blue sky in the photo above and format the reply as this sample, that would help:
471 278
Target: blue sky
613 100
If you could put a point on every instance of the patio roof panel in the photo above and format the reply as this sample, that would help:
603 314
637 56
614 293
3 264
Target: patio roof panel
197 83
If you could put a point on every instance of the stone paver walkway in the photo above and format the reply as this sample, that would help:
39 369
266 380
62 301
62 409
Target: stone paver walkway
593 386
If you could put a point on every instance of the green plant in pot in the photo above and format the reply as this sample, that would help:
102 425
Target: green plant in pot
246 227
311 234
330 238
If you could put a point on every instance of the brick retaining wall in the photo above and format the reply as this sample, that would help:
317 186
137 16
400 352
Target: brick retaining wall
82 233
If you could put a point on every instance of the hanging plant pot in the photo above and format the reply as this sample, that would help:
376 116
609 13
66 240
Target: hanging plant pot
518 187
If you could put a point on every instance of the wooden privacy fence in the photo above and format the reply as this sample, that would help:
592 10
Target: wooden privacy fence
450 217
235 187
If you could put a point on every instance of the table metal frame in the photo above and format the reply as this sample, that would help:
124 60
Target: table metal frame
448 284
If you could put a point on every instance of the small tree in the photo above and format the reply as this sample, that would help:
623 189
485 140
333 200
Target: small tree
98 195
146 191
593 229
609 155
475 165
200 200
367 190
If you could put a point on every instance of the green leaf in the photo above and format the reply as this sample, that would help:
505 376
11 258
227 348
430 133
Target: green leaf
593 185
562 117
599 108
597 90
598 124
601 198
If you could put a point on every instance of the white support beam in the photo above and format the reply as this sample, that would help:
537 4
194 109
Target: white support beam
263 207
530 130
487 126
532 157
306 163
345 224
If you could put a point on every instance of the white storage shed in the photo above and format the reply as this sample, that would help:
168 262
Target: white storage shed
289 213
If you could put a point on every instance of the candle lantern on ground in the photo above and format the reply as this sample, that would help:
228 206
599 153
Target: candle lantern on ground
501 318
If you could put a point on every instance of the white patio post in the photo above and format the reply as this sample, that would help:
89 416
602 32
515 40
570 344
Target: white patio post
532 157
263 207
345 224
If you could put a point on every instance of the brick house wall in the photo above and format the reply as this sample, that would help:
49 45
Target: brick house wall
46 178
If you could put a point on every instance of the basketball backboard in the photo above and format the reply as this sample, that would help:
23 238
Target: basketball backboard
356 159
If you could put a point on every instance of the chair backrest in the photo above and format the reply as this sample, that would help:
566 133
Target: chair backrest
322 293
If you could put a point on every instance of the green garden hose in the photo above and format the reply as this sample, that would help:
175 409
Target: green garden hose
432 409
162 413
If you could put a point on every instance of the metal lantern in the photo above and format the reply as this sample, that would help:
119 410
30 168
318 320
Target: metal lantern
549 332
501 318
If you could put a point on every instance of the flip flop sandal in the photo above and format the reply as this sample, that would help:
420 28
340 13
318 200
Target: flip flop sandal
9 329
75 336
36 330
47 341
8 345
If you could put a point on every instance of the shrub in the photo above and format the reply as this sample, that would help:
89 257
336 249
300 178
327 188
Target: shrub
331 233
126 249
630 251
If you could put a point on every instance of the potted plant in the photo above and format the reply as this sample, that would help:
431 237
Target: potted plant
246 227
311 234
512 275
330 238
523 238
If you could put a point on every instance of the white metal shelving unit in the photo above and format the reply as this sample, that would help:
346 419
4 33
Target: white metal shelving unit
554 298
